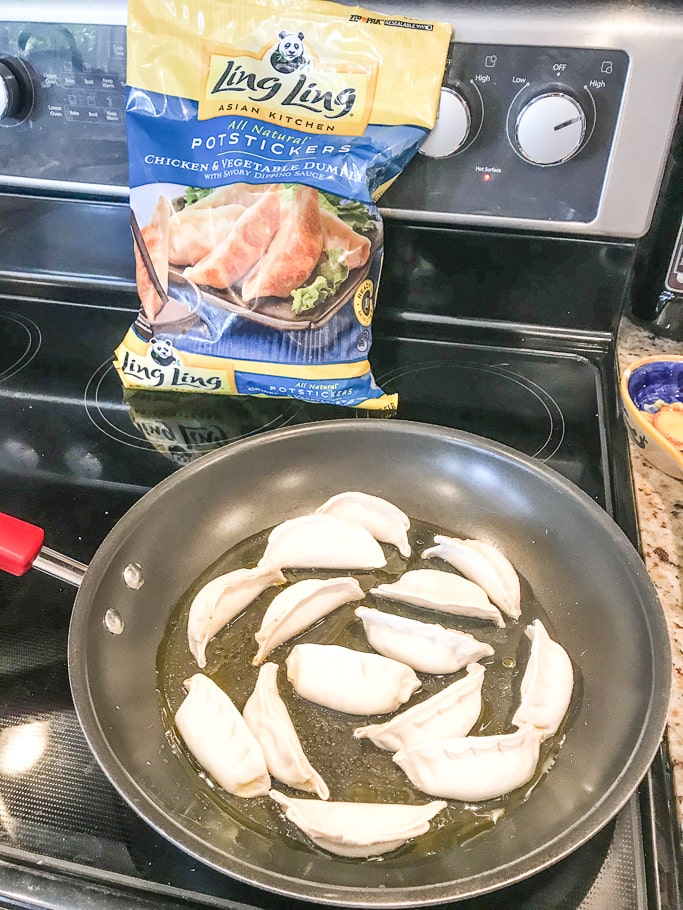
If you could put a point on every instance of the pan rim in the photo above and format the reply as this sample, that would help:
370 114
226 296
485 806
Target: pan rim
480 883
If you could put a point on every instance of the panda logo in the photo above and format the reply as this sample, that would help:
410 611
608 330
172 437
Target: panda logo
161 351
289 54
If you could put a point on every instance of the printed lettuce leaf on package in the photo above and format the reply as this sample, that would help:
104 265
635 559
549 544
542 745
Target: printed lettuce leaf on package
260 137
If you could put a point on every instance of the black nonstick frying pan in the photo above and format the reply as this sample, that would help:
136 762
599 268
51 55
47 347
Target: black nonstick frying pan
579 573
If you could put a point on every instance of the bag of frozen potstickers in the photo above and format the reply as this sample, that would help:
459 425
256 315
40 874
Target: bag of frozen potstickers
260 136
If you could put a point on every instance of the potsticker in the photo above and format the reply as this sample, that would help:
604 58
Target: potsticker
195 232
233 194
239 252
294 252
339 235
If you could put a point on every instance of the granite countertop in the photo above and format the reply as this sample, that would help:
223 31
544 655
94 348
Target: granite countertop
659 501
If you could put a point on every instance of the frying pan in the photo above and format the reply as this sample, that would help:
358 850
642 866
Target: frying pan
574 562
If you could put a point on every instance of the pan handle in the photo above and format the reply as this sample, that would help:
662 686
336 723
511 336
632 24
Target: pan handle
21 547
60 566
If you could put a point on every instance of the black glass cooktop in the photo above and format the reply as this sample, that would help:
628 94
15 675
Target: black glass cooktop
76 453
56 373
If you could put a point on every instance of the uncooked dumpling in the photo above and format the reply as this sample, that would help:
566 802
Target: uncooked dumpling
451 712
426 647
358 829
484 564
442 591
216 734
321 542
473 768
221 600
299 606
351 681
385 521
546 685
267 717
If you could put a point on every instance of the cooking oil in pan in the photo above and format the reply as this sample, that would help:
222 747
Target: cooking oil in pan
354 770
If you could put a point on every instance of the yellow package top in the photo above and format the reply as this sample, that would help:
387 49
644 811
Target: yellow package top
360 67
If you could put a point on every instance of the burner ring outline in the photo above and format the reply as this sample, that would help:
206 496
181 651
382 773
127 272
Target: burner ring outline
34 340
556 430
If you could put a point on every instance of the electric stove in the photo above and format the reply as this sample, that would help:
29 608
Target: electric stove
497 314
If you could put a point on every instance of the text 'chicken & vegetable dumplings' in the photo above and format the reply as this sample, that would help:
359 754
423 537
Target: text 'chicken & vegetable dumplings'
260 137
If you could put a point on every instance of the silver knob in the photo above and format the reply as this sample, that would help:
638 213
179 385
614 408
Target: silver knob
550 129
452 127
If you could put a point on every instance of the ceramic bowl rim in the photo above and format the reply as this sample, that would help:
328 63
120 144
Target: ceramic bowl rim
637 415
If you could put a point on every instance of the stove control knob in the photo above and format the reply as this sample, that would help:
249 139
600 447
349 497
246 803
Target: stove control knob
457 123
17 92
10 93
548 129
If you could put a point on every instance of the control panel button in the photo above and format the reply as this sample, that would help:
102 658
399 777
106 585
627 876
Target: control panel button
550 129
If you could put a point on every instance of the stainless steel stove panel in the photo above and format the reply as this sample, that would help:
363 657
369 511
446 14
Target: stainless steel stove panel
515 70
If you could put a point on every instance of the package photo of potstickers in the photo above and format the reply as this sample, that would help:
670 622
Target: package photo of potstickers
261 136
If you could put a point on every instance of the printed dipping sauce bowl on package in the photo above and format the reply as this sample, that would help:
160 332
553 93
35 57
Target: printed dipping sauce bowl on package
260 137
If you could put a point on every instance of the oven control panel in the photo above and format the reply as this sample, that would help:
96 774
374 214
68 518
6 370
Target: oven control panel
62 106
522 132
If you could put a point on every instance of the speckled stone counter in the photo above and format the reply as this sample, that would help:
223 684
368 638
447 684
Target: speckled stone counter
659 501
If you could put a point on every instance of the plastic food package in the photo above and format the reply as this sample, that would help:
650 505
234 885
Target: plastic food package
260 136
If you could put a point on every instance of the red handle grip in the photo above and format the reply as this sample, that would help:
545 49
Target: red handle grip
20 543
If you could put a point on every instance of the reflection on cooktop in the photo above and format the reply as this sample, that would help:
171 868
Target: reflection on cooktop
541 403
181 427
